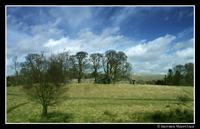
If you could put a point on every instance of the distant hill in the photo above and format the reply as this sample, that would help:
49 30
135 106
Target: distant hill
139 77
146 77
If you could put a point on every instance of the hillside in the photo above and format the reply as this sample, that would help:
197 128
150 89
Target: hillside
146 77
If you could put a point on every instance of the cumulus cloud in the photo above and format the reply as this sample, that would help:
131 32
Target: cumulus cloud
162 64
87 41
106 39
186 54
151 49
47 30
97 30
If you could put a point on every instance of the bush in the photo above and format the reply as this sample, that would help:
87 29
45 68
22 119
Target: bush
173 116
107 112
183 98
103 80
160 82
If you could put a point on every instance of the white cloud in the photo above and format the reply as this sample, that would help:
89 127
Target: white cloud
55 29
52 42
187 53
185 32
47 30
150 50
151 57
179 45
109 31
86 41
86 34
107 39
164 62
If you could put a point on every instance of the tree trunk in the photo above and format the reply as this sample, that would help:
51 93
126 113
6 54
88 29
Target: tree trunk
95 75
44 111
79 80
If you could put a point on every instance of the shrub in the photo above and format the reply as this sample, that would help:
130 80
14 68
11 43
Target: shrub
107 112
173 116
183 98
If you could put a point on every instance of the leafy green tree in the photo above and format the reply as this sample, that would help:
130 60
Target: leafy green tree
160 82
115 66
189 73
177 78
179 68
170 77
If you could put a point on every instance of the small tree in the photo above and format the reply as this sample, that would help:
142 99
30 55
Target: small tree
16 67
50 87
189 73
177 78
170 77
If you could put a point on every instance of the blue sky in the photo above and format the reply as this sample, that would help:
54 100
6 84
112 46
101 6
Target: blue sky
155 38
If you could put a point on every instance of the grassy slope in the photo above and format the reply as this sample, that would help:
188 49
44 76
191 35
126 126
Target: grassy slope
82 110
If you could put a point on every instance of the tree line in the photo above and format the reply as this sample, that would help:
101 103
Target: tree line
105 68
180 75
44 77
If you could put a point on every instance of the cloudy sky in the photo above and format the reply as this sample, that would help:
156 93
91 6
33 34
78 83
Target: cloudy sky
155 38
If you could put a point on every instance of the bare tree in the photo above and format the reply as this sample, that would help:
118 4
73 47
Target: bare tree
44 84
79 64
96 59
16 67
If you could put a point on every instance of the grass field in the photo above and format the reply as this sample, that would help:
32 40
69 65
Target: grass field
113 103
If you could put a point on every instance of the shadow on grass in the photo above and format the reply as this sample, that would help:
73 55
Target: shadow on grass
52 117
174 116
16 106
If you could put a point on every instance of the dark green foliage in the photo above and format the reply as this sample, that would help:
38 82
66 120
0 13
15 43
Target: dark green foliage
170 77
103 79
179 76
160 82
174 116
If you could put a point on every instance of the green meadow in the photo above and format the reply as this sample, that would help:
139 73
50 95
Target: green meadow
107 103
